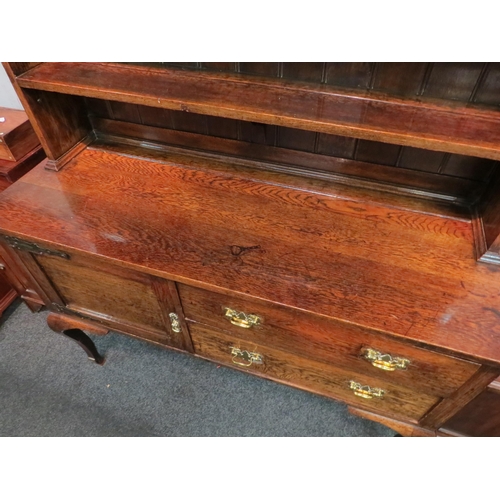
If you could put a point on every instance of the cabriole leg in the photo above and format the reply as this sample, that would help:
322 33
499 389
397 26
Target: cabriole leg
73 329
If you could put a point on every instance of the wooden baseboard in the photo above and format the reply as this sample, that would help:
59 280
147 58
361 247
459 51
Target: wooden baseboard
69 155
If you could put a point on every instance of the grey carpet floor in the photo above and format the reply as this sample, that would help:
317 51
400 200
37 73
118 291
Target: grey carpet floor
49 388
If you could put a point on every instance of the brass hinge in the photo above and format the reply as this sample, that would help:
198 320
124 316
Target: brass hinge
26 246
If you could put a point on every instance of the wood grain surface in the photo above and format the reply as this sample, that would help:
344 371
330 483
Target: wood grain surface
306 250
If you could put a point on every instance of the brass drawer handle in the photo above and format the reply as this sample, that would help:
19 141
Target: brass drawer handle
365 391
239 318
245 358
175 323
385 361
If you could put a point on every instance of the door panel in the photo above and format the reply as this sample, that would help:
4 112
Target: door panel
86 289
120 298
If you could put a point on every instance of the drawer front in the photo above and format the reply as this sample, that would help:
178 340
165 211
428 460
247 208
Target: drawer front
343 344
310 375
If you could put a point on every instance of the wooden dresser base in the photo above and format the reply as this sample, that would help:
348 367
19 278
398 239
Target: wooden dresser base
220 214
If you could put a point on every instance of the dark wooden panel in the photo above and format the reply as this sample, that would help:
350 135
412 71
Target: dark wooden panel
188 122
219 66
349 75
462 130
489 89
404 79
190 65
290 138
222 127
377 152
258 133
306 72
146 64
99 107
421 159
335 145
178 120
125 112
155 117
261 69
455 81
469 167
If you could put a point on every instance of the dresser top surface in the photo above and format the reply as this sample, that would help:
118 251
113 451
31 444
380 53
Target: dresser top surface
384 267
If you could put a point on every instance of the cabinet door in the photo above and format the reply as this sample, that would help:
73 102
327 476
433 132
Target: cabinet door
122 299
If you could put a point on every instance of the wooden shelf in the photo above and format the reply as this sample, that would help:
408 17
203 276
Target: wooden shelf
436 125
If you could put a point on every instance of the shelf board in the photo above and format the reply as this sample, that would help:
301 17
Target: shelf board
436 125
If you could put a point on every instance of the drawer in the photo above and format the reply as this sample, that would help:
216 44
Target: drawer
330 341
310 375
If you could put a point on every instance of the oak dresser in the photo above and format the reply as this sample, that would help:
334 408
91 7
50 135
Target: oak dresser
330 226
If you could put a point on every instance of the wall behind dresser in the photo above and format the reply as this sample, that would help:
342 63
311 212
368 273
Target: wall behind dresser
8 97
